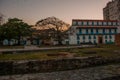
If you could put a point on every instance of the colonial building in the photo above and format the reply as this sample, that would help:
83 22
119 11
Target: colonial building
93 31
112 10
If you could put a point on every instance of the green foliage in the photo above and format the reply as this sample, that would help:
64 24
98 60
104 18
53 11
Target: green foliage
15 29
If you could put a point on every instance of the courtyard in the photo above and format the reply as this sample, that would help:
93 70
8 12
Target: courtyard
105 51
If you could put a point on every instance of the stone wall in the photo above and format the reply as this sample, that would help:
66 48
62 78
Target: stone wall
112 78
38 66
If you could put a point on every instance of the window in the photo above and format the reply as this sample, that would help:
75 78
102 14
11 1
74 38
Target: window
94 41
91 31
105 36
109 30
105 41
74 23
90 23
110 36
115 30
103 30
85 23
78 42
114 23
110 41
83 37
109 23
79 23
97 31
94 37
95 23
78 37
118 24
100 23
80 31
104 23
86 31
89 37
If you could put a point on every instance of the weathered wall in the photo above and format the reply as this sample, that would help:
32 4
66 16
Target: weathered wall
35 66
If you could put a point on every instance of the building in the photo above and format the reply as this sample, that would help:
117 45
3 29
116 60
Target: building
112 10
93 31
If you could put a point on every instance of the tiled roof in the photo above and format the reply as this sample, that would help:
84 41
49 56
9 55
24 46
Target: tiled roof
94 20
111 27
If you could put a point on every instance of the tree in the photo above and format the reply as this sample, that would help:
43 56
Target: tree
15 29
56 27
1 35
1 18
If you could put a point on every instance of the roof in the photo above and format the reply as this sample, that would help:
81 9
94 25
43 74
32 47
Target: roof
107 27
94 20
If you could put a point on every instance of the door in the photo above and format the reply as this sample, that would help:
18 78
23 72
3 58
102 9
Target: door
100 39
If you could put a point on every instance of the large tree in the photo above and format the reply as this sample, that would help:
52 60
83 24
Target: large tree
1 34
55 26
15 29
1 18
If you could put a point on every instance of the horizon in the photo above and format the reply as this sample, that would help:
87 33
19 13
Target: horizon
32 11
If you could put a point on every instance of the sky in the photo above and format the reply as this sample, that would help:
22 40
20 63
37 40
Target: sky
32 11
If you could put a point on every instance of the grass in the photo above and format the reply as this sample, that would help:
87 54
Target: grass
29 55
24 56
106 51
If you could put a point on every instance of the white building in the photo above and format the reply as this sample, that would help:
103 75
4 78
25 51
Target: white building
93 31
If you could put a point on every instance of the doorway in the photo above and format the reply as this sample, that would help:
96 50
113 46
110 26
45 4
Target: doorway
100 39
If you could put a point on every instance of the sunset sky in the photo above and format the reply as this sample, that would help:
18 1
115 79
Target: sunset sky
33 10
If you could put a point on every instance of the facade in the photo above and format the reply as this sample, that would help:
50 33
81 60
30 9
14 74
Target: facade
93 31
112 10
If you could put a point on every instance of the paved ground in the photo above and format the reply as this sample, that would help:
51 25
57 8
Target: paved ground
34 48
93 73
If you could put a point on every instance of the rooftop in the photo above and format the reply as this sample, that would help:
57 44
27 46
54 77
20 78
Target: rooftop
94 20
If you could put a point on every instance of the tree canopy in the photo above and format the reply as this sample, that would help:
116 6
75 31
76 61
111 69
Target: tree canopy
52 22
15 29
1 18
56 26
